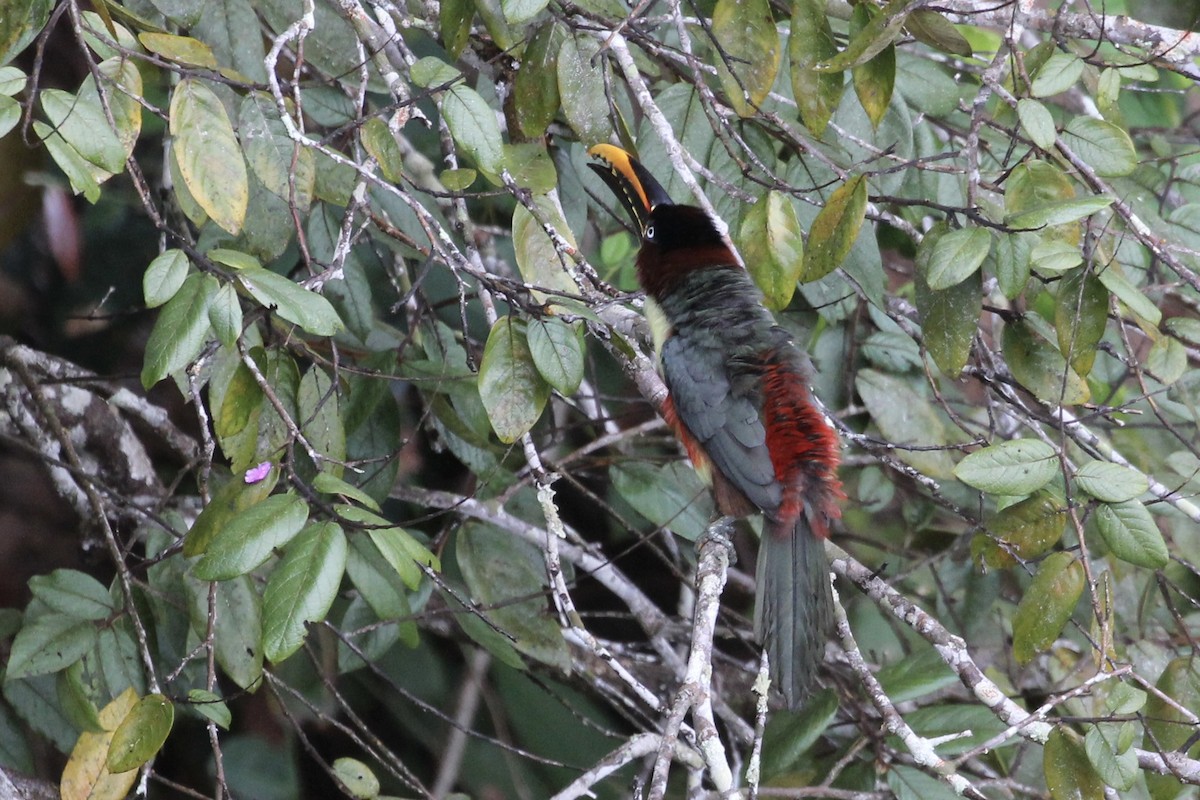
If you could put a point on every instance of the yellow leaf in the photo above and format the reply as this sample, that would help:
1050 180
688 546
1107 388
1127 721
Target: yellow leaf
86 776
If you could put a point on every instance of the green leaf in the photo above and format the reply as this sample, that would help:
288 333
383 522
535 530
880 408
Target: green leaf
535 89
286 170
1037 122
1057 75
540 263
834 230
330 484
1111 483
1080 317
531 166
233 31
225 315
12 81
875 79
181 329
50 643
791 734
398 547
73 593
379 585
1059 213
235 259
1011 262
292 302
82 123
955 257
906 418
77 169
1115 281
1124 699
473 125
20 24
357 777
231 499
302 587
381 144
1131 535
75 699
1166 361
518 12
1108 749
772 245
883 29
164 276
248 539
916 675
811 42
950 317
1104 146
1185 328
581 88
1015 467
1069 775
1052 256
750 45
1169 719
557 353
454 22
319 418
1040 367
513 391
237 636
1046 605
457 180
141 734
506 576
671 497
10 114
210 706
938 32
430 71
209 157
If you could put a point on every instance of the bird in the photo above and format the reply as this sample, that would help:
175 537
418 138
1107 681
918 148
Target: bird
738 399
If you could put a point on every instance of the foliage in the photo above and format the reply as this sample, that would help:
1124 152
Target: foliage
417 468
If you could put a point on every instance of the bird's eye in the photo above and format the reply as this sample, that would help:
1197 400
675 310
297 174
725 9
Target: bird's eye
650 233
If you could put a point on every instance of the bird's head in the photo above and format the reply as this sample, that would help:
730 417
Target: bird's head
675 239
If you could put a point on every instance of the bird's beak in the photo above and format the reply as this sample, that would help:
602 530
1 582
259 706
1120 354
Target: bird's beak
633 185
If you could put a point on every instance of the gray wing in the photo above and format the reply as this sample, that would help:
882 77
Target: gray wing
720 403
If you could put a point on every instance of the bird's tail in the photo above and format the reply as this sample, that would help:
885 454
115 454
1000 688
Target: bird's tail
794 612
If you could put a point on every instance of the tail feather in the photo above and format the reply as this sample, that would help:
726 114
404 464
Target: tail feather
794 613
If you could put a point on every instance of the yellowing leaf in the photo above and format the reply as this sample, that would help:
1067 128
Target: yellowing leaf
535 89
835 228
772 245
1040 367
1047 605
86 776
1069 775
811 42
141 734
180 49
874 79
751 53
209 157
949 317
